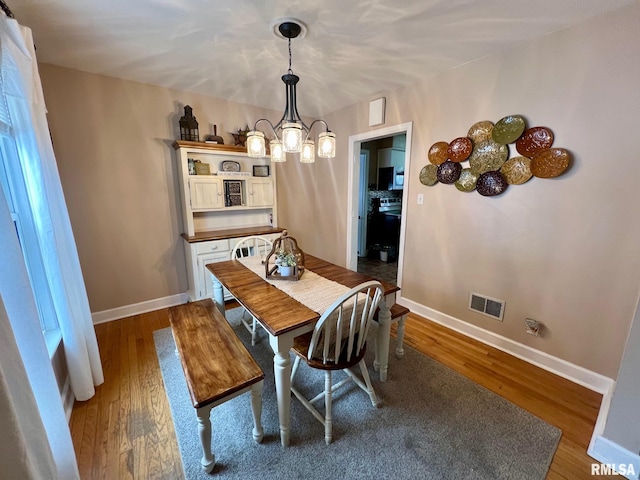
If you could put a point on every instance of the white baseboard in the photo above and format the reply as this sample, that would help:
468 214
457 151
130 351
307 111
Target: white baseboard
591 380
611 454
68 398
138 308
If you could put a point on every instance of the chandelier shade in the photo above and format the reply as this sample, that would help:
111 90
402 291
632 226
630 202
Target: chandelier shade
292 135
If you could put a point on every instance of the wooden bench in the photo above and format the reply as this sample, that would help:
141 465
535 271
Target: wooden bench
216 365
399 314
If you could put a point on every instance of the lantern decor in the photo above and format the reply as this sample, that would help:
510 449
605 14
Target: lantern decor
189 126
285 261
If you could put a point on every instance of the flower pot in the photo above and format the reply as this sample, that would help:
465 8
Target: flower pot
285 271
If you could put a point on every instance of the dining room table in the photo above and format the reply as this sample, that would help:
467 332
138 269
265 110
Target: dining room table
277 306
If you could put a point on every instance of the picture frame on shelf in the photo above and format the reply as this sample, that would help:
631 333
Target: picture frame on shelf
203 168
261 171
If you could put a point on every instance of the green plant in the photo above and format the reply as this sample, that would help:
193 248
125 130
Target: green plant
285 258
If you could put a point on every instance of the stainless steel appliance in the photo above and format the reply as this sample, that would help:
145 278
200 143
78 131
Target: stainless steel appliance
391 206
390 178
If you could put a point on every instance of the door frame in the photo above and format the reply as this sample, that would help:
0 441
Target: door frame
362 203
355 144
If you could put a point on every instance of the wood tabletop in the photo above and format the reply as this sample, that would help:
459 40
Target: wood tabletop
277 311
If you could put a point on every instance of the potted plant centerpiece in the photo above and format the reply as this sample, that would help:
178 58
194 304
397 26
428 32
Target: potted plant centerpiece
286 261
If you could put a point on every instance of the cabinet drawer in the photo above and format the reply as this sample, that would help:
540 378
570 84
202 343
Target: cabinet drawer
212 246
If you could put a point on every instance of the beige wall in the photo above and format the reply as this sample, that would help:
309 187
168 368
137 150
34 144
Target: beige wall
112 140
562 251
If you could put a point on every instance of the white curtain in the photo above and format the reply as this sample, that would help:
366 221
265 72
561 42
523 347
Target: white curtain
36 441
24 101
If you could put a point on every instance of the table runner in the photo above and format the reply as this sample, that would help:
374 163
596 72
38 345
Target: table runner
311 290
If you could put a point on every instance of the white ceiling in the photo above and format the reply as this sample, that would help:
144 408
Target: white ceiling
353 49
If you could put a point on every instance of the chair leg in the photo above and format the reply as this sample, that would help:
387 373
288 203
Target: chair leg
367 381
327 405
294 369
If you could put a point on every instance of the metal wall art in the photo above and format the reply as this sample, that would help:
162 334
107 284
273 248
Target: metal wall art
490 169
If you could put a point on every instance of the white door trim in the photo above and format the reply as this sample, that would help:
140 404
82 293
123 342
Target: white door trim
355 142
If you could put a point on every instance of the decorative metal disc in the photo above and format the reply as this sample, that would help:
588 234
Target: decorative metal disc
550 163
438 153
533 141
491 184
449 172
460 149
467 181
429 175
517 170
508 129
480 131
488 156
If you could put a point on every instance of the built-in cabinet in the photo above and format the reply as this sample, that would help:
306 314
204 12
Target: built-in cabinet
222 208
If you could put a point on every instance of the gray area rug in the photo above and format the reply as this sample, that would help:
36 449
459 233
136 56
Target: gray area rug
433 424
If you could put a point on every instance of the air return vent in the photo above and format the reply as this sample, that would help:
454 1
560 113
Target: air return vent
486 305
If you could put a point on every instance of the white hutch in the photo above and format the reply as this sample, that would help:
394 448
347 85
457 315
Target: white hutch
221 208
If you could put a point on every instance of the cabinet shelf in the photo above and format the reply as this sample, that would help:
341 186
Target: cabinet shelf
209 146
211 229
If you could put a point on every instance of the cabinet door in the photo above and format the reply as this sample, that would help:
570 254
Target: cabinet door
206 282
205 192
384 158
260 192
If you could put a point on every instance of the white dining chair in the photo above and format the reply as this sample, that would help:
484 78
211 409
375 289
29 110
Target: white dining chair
338 342
250 247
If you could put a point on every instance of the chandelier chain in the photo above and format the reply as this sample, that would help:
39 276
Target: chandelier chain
290 71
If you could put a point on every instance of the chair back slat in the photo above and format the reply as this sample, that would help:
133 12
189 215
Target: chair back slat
252 246
340 334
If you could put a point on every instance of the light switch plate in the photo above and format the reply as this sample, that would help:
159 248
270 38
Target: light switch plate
420 198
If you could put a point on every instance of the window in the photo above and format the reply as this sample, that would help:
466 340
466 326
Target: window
14 188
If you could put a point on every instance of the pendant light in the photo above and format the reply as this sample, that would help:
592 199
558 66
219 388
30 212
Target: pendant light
295 135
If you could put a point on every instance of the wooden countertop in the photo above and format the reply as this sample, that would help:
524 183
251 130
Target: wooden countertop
230 233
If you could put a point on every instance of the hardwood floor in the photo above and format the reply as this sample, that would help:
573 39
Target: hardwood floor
126 430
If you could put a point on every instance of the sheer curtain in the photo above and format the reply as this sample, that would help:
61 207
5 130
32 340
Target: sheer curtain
23 117
22 94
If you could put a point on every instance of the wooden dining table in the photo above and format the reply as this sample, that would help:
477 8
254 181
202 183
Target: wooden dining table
285 318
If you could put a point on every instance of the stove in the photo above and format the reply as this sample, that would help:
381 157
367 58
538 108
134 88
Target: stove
390 206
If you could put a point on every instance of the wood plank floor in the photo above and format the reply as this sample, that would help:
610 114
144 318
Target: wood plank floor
126 431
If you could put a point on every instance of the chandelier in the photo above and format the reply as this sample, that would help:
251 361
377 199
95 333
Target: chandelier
295 135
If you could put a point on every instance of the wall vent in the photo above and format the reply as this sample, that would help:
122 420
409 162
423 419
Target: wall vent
491 307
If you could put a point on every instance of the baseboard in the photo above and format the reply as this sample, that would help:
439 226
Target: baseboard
68 398
613 456
138 308
591 380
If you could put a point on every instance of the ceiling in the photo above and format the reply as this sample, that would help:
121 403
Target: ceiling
353 49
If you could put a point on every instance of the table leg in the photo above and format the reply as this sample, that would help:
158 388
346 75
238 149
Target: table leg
204 430
282 375
218 295
400 337
382 341
256 408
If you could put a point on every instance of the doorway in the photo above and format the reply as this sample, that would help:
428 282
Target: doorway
378 170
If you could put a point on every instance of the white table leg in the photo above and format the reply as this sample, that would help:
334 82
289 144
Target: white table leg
218 295
256 408
282 375
382 340
204 430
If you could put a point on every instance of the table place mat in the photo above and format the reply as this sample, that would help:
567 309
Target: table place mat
311 290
